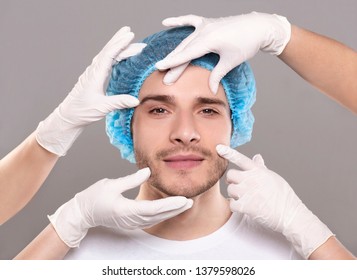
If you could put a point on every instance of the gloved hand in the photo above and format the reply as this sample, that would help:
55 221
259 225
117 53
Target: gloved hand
103 204
87 103
268 199
235 39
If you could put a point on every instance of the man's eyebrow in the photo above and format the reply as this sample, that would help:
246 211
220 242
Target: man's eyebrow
162 98
214 101
171 100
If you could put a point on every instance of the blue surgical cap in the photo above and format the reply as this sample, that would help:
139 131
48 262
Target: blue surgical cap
129 75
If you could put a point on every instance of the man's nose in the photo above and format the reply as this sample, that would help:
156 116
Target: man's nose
184 130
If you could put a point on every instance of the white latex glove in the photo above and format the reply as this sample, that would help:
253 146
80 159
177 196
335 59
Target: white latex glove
103 204
87 103
235 39
268 199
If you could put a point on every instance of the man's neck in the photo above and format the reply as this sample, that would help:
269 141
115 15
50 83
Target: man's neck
209 212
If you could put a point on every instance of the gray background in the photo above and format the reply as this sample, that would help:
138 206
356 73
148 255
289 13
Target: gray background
303 136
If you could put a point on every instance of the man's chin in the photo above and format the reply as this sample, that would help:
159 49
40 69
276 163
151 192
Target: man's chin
180 187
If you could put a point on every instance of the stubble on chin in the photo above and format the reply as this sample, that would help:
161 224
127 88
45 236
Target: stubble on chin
183 185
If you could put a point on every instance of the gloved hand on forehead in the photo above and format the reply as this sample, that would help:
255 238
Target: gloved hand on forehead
103 204
235 39
87 102
268 199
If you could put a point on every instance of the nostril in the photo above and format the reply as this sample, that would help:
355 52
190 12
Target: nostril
178 140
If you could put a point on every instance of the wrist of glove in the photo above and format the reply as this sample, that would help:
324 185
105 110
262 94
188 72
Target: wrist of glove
57 135
103 204
69 223
268 199
277 31
306 231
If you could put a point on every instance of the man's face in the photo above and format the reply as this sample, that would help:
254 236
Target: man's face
176 129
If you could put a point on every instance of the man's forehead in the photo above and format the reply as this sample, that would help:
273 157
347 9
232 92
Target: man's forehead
191 86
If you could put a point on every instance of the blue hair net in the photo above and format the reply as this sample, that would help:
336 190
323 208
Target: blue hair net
129 75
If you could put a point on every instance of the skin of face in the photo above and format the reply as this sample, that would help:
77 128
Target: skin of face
175 131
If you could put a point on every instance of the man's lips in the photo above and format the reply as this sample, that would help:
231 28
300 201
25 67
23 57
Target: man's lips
183 161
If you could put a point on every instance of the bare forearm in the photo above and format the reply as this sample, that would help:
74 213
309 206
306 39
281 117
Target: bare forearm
22 173
46 246
332 249
325 63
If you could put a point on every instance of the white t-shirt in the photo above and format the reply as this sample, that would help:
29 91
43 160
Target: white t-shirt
239 238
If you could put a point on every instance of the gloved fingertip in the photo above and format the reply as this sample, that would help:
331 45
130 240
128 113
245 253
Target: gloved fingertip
168 21
189 203
166 63
129 36
141 45
122 32
130 50
144 173
124 29
169 79
258 159
133 103
179 202
123 101
168 83
234 205
213 85
161 65
218 73
222 149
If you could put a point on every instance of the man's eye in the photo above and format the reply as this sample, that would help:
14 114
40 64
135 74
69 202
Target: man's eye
158 111
209 111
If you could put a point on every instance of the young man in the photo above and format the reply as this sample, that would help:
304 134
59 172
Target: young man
182 133
175 132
